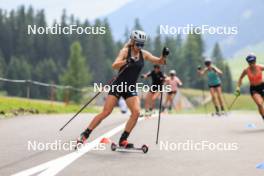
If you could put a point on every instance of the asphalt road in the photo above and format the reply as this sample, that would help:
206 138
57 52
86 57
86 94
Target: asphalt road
236 146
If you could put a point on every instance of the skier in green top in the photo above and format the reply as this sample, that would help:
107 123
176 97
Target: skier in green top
214 83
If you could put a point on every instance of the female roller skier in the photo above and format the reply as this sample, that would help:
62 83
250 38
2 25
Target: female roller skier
157 81
173 81
254 74
214 83
131 58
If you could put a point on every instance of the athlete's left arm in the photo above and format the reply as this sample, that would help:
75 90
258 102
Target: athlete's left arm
262 67
179 81
153 59
146 75
217 70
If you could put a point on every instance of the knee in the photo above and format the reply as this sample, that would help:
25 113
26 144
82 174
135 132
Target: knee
135 113
153 98
213 98
260 106
106 112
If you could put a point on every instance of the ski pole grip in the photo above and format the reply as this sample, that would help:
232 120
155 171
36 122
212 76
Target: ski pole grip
165 51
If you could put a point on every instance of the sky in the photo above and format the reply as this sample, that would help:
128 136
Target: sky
83 9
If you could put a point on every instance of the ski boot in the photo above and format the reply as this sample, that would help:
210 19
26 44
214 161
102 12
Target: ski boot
125 144
81 140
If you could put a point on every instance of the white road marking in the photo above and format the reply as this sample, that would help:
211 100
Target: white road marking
54 166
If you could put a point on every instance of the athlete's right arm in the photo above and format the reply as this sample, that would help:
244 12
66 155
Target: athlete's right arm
120 60
243 74
202 71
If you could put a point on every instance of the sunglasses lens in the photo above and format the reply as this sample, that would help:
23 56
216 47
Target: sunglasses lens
140 45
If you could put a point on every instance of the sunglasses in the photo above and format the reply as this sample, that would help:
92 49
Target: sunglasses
139 45
251 62
207 64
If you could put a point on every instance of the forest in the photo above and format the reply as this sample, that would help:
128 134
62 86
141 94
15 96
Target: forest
81 60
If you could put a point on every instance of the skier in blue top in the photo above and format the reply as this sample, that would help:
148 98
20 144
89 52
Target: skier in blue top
214 84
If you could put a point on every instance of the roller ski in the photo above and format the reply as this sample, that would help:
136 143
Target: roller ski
125 146
223 113
146 114
217 114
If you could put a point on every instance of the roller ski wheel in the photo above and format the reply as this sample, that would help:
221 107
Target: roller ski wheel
144 148
115 147
217 114
146 114
223 113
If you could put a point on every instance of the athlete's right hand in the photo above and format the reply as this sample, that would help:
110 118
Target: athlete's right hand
199 68
165 51
237 92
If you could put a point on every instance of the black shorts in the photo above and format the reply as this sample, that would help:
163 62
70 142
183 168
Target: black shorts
259 89
125 95
214 86
172 92
155 88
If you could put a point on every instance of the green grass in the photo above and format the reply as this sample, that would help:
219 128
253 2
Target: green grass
244 102
9 105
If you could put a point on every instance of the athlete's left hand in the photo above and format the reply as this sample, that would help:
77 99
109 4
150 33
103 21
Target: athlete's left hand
237 92
143 76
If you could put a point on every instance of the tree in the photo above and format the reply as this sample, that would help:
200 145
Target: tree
192 57
137 25
218 59
77 74
19 69
41 74
228 79
2 65
126 34
157 45
2 68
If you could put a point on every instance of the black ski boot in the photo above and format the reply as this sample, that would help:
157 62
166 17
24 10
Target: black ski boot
125 144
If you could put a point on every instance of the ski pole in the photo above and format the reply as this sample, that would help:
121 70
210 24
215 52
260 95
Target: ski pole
225 100
165 53
199 68
157 137
233 102
204 98
96 95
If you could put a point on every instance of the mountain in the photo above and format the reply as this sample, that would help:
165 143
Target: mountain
244 14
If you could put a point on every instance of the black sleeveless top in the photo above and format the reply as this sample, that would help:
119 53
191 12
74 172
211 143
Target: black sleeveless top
157 78
132 72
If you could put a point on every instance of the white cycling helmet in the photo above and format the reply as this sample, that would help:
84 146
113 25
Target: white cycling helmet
172 72
208 59
138 36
